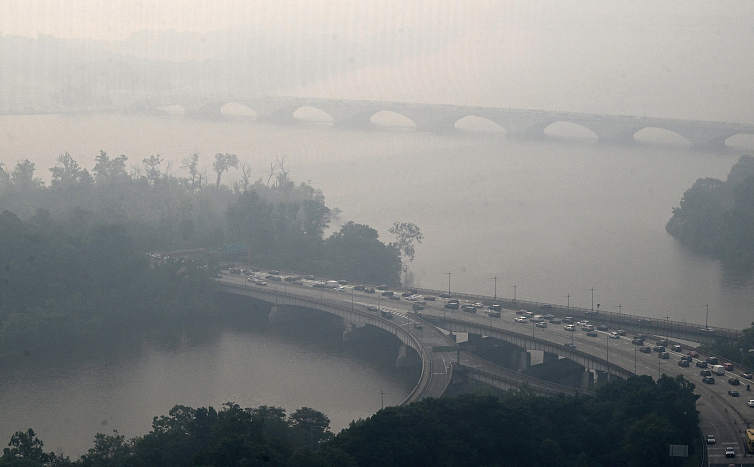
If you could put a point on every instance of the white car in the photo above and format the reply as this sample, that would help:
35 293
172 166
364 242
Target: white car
613 335
569 327
521 319
751 402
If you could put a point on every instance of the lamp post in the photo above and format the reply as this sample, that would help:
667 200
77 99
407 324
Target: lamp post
405 277
667 331
635 350
592 289
607 353
448 273
495 279
514 293
706 318
568 301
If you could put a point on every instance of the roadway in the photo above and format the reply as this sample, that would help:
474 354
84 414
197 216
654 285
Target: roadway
720 414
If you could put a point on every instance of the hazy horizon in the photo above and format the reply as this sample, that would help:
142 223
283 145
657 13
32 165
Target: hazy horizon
671 59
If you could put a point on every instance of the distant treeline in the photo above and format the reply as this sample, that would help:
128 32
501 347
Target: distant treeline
73 255
717 218
629 423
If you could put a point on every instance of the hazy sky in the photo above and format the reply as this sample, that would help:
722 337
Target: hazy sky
674 58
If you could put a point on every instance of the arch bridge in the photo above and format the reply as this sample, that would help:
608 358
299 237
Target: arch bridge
520 123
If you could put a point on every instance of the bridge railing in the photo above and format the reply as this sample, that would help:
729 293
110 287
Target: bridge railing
608 317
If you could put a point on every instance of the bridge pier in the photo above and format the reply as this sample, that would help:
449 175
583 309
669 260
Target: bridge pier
276 315
587 380
407 357
349 332
548 357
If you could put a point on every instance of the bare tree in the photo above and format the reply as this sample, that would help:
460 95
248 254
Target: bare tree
245 176
191 164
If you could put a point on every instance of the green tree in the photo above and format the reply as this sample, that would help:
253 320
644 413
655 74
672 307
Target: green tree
406 234
223 163
310 427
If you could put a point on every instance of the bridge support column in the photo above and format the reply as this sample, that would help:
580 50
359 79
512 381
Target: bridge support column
548 357
524 362
587 380
349 332
406 358
276 315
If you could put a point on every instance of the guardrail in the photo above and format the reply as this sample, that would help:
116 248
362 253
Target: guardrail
606 316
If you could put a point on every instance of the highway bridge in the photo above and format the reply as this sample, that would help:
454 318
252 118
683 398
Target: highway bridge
439 118
591 358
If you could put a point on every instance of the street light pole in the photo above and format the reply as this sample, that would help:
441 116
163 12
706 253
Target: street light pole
592 289
514 293
568 302
448 273
495 279
706 319
635 361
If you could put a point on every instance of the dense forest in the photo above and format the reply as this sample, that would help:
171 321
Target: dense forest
74 255
717 218
629 423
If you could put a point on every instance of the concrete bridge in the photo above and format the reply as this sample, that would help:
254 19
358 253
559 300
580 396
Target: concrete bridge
518 123
435 349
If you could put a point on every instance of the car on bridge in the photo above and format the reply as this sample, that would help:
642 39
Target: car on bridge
663 355
570 344
556 321
613 335
693 354
493 314
592 333
683 363
708 380
730 452
637 341
711 439
469 308
569 327
645 349
701 364
373 308
541 324
746 375
733 393
734 381
521 319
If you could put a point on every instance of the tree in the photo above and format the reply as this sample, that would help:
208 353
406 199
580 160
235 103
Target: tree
406 234
108 170
311 425
191 163
152 166
23 176
224 162
68 173
25 445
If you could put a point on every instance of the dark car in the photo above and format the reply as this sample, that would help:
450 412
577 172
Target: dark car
708 380
659 348
705 373
637 341
701 364
381 287
388 293
568 320
693 354
452 306
663 355
359 287
712 360
734 381
645 349
662 342
602 327
733 393
496 307
746 375
546 306
592 334
368 290
444 295
309 277
394 297
469 308
683 363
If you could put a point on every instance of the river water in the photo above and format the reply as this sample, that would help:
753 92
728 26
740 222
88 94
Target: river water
558 221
